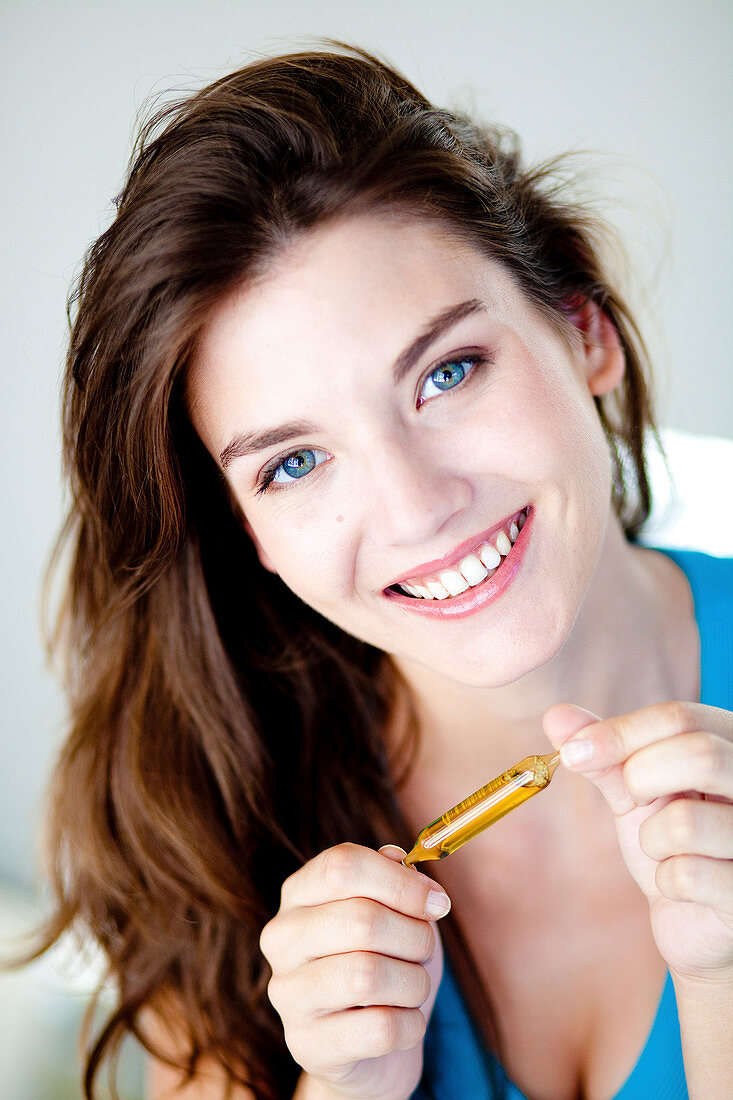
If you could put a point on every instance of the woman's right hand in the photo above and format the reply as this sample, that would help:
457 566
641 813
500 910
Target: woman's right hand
356 962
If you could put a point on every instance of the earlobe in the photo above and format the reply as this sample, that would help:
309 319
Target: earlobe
603 356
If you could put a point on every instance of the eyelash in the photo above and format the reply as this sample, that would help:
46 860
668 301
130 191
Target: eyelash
476 360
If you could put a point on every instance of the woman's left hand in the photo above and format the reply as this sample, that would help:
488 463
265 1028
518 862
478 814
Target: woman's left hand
666 772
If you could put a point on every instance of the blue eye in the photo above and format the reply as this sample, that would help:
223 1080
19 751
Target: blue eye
447 376
292 467
296 465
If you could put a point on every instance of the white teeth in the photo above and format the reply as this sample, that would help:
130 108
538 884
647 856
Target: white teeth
473 569
503 544
489 555
439 591
454 581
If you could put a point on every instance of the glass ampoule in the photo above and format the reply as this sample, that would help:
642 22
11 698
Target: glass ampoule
482 808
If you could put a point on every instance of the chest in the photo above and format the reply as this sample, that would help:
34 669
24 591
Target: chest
571 969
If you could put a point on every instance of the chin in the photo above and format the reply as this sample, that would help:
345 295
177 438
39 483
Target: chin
494 663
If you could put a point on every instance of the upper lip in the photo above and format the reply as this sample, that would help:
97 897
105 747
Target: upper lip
453 557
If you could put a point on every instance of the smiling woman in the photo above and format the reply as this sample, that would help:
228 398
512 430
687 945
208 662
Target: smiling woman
355 424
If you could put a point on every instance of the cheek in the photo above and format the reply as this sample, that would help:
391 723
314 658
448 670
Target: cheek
544 430
314 556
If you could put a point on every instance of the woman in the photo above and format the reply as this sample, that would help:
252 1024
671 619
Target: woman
354 425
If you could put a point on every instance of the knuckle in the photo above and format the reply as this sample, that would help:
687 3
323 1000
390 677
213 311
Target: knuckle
385 1032
338 866
397 1029
649 838
622 731
362 977
421 1027
287 890
365 919
678 877
274 991
403 892
427 945
267 938
677 715
633 778
416 1026
424 986
708 757
681 823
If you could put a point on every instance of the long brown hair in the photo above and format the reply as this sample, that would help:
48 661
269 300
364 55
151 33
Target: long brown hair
221 732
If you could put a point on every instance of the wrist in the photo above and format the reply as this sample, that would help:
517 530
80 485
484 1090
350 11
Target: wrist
702 985
705 1009
310 1088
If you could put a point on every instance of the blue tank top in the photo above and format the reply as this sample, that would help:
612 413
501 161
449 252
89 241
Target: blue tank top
457 1064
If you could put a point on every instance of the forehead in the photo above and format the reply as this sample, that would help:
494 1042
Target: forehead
337 276
350 294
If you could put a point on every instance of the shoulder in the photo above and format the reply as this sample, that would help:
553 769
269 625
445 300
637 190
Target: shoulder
711 583
710 577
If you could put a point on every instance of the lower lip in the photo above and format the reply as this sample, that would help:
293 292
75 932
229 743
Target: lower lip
474 599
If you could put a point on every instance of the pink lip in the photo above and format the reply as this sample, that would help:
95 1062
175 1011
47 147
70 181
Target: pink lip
458 607
458 554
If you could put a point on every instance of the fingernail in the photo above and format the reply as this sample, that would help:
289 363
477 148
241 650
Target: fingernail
573 753
437 905
393 848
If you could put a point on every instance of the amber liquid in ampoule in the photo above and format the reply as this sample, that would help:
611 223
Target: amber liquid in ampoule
482 808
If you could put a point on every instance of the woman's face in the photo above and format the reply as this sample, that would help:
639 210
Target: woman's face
383 404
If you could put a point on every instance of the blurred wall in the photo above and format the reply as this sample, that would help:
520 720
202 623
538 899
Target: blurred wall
648 84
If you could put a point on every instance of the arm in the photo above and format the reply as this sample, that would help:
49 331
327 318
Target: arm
706 1017
666 772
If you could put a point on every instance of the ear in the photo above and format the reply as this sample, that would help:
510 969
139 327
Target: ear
603 357
261 553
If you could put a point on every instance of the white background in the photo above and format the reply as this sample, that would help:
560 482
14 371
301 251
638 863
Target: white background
647 84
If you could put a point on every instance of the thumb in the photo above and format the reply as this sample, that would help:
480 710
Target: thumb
560 723
563 720
393 851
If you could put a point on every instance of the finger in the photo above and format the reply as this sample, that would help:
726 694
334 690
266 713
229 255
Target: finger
686 826
350 870
697 761
355 980
611 741
393 852
569 728
352 924
699 879
563 720
343 1038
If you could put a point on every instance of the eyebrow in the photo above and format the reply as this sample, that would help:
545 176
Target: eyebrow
434 330
247 443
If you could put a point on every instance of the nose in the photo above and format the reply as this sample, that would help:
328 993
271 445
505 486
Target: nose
412 491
